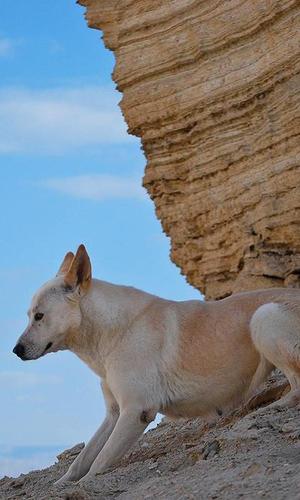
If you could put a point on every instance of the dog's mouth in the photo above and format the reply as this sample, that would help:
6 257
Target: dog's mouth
48 346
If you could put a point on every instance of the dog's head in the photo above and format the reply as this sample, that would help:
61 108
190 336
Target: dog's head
54 312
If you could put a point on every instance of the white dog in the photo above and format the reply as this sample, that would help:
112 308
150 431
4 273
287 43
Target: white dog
182 359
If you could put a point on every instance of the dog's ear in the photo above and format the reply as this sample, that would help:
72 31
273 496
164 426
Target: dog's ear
80 271
66 264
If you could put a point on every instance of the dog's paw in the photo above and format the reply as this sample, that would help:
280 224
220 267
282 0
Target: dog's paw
291 400
85 479
63 481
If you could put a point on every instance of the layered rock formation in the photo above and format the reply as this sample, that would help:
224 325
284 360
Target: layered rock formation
213 91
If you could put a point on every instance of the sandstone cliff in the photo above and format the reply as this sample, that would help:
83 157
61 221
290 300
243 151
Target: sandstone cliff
212 88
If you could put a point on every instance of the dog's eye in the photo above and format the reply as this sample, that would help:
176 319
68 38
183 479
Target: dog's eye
38 316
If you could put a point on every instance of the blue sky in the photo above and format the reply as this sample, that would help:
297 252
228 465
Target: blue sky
69 174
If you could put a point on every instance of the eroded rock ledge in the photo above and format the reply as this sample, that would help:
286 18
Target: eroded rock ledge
213 91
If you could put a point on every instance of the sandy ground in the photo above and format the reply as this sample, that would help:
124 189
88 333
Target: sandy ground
248 455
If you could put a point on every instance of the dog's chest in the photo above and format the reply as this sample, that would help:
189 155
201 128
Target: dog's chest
94 363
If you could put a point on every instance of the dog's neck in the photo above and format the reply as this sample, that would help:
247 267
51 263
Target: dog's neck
107 312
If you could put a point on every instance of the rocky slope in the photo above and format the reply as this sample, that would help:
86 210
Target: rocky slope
213 90
246 454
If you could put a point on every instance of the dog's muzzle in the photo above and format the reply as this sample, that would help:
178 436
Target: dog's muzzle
19 350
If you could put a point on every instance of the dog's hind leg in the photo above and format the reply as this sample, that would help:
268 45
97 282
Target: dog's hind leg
266 396
83 462
275 330
263 370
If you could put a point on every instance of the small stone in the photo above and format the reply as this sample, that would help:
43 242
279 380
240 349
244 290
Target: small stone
153 466
193 458
189 445
295 435
290 427
210 450
18 483
76 495
252 469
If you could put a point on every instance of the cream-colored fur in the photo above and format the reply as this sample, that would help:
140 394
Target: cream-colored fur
182 359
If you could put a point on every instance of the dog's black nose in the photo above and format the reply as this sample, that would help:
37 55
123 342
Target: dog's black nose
19 350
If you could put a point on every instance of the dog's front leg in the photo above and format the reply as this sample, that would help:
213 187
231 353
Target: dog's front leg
131 424
83 462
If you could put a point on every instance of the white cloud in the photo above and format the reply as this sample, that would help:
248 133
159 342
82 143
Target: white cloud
6 47
97 187
55 121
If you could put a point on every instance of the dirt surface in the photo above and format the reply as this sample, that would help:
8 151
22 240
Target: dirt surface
247 454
